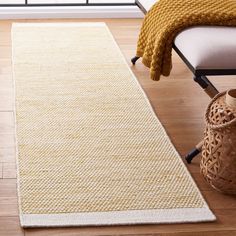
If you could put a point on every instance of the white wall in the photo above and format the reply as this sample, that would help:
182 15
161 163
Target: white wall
70 12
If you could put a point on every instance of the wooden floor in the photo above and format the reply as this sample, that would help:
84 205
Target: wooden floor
179 104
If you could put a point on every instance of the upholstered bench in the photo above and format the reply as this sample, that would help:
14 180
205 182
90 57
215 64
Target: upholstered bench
206 50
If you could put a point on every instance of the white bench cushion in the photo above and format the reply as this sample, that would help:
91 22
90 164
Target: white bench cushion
208 47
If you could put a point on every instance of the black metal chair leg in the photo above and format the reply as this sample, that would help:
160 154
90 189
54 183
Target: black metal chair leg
209 82
134 59
211 91
194 152
206 84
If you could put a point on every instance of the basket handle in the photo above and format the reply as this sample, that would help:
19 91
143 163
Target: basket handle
230 98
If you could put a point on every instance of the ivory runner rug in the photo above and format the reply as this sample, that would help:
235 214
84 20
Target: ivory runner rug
90 149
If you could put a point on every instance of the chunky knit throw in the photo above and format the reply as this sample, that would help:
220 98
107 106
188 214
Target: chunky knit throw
167 18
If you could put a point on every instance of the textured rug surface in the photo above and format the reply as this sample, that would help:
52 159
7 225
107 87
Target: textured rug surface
90 149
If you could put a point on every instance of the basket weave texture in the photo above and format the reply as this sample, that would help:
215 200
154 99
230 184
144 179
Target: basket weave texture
218 163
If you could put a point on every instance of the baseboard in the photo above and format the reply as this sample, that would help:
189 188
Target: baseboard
70 12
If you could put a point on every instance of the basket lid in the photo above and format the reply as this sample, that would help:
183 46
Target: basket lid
221 112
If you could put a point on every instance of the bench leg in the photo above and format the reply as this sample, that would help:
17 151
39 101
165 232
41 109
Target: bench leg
206 84
194 152
211 91
134 59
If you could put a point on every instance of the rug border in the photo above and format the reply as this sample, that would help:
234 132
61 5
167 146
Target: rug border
156 216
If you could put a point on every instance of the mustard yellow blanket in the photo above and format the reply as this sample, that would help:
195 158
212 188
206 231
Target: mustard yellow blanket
167 18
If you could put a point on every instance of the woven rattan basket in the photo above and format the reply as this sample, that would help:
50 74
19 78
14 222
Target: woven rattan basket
218 163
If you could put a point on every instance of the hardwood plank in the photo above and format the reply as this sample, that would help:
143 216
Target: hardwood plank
6 94
7 147
202 233
206 233
9 170
74 232
8 188
5 40
7 142
10 226
1 170
5 26
219 201
5 62
7 154
6 123
8 206
5 53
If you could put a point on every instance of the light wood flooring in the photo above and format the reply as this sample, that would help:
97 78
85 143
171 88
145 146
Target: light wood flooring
179 104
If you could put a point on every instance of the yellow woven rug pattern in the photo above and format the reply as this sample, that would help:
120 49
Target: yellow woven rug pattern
90 149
